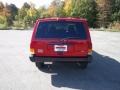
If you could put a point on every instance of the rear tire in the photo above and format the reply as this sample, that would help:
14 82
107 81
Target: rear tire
39 64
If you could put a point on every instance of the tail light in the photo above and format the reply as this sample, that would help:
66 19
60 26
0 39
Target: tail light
32 51
89 51
89 48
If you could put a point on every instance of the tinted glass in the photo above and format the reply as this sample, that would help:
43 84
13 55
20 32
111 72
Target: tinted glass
61 29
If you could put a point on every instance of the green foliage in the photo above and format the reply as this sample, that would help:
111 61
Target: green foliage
18 25
115 26
105 12
115 10
60 9
42 11
86 9
116 16
13 11
56 9
22 13
68 7
3 22
2 19
4 26
99 13
26 5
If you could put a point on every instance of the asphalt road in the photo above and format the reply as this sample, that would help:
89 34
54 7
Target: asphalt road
18 73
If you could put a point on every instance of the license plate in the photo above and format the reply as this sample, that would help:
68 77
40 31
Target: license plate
48 62
60 48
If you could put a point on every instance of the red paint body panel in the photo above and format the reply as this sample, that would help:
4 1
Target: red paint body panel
75 48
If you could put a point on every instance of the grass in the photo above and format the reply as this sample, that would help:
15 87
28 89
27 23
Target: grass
3 27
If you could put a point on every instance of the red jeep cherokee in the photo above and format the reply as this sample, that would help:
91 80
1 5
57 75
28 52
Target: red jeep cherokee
61 39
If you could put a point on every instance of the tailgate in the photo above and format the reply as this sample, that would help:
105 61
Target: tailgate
73 48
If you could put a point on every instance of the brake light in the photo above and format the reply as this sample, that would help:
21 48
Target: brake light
32 51
90 52
89 48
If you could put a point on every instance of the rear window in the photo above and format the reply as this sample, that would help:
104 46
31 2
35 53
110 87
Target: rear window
61 29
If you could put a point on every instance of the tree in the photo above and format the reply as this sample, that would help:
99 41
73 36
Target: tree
21 17
115 10
85 9
1 8
42 11
68 7
23 11
105 11
60 9
26 5
2 19
14 10
32 14
8 14
52 8
56 8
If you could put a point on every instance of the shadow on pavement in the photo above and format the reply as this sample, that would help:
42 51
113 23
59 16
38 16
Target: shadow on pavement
103 73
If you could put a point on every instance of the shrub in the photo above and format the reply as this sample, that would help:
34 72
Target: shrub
3 26
18 25
115 26
2 19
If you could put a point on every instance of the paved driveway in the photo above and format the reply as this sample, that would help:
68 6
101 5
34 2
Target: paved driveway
18 73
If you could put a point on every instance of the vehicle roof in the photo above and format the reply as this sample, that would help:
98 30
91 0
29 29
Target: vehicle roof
62 18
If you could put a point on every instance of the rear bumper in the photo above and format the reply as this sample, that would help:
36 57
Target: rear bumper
60 59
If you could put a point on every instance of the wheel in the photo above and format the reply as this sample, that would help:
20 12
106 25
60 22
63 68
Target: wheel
83 65
39 64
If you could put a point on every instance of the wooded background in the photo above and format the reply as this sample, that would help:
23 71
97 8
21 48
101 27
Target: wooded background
99 13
